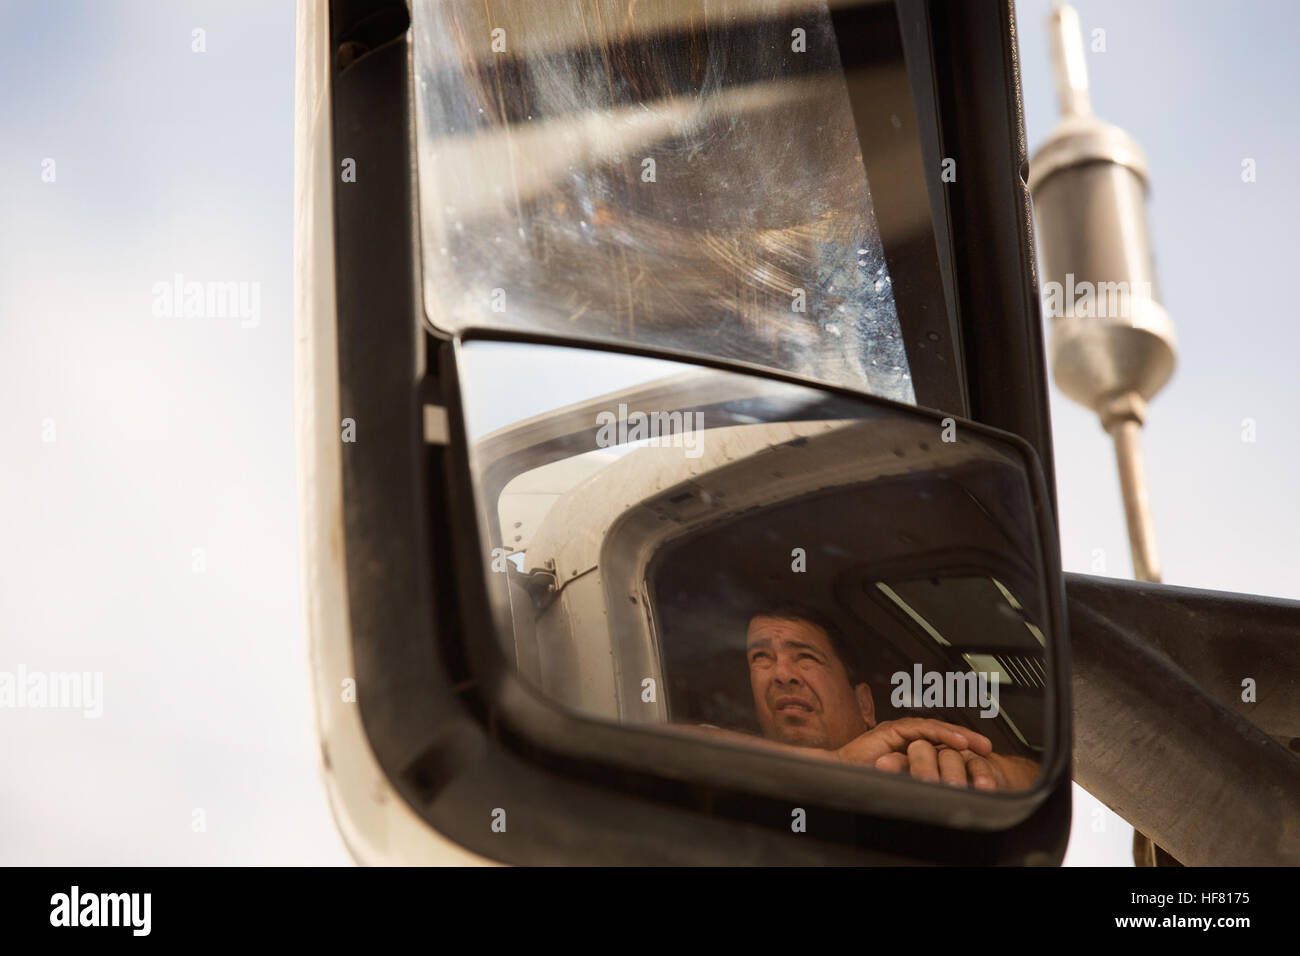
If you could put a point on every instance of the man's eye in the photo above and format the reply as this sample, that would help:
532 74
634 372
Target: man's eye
808 657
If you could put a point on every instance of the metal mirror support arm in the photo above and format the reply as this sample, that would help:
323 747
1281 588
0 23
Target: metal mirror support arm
1162 734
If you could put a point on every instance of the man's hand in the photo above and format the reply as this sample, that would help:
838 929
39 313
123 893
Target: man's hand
961 767
892 737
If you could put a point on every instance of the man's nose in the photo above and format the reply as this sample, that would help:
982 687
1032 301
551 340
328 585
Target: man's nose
784 673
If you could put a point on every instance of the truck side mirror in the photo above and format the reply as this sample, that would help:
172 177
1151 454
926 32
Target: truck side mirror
541 634
740 582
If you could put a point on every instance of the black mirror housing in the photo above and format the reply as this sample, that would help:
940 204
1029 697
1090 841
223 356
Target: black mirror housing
441 735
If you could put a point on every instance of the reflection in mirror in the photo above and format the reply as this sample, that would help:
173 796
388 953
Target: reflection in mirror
737 178
766 563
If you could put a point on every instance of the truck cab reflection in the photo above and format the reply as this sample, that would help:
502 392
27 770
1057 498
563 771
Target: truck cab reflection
806 573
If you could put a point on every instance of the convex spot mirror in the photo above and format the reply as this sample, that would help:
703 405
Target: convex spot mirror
766 565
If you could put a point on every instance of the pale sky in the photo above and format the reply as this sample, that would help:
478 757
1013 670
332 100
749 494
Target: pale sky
174 434
171 434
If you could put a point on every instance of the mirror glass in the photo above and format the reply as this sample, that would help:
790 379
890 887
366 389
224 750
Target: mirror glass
733 178
717 554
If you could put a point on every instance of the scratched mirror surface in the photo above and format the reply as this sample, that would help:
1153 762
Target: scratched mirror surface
732 178
771 564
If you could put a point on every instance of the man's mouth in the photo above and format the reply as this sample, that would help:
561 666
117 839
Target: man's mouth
791 706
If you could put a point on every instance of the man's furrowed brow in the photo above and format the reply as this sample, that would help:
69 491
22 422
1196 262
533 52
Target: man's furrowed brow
803 646
766 644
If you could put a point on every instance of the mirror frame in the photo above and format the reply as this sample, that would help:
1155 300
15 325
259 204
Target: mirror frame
413 766
547 729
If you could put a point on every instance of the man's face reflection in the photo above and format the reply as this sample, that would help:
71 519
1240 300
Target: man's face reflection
802 692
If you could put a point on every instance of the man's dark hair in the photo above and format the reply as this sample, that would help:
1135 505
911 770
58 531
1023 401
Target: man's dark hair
793 611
